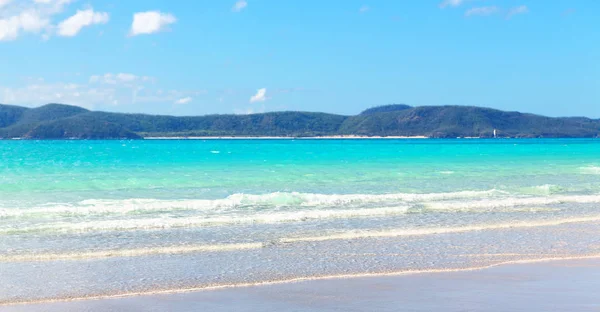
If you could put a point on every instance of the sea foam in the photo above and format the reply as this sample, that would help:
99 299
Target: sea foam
513 202
171 250
200 221
590 170
277 199
349 235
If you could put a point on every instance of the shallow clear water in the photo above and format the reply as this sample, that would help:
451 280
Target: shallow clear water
84 218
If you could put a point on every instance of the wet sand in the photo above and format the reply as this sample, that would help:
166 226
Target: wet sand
570 285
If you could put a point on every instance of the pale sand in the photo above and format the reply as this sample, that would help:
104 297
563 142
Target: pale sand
569 285
283 138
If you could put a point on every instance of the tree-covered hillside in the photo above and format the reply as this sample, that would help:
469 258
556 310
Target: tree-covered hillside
385 109
56 121
464 121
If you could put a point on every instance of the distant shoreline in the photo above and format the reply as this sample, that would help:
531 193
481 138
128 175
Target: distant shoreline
282 138
334 137
58 121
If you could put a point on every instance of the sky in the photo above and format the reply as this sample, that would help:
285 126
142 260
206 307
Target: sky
250 56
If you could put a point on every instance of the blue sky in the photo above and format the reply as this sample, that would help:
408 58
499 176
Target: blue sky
222 56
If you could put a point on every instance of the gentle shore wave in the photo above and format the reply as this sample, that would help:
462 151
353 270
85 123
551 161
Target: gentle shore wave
139 252
298 279
350 235
276 199
430 231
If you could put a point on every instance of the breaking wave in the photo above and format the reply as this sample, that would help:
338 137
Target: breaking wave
277 199
440 230
171 250
189 222
590 170
513 202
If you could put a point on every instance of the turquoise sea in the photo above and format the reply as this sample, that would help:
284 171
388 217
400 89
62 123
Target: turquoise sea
96 218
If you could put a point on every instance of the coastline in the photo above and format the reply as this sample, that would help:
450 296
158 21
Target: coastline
526 284
361 277
340 211
329 137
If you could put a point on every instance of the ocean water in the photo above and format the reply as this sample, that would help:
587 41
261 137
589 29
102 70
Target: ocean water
98 218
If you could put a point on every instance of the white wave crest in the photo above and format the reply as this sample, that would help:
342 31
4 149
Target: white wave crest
431 231
590 170
127 252
190 222
513 202
277 199
546 189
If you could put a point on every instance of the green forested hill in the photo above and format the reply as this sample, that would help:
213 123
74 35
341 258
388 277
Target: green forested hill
56 121
385 109
10 114
267 124
464 121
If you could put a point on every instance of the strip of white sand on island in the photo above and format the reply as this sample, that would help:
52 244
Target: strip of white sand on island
564 285
335 137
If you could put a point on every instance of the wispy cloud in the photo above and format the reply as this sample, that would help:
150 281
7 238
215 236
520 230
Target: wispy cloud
239 6
364 9
150 22
123 78
260 96
29 17
522 9
184 100
99 91
69 93
451 3
482 11
250 110
73 25
3 3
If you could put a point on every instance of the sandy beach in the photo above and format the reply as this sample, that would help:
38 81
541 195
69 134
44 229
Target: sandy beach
563 285
283 138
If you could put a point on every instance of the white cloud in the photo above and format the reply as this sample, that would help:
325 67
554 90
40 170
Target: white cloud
123 78
184 100
126 77
522 9
72 25
4 3
121 89
451 3
482 11
68 93
53 3
239 6
150 22
27 21
150 95
32 22
9 29
33 17
364 9
260 96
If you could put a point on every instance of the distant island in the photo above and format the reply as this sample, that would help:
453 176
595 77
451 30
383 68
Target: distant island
58 121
